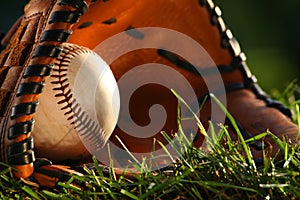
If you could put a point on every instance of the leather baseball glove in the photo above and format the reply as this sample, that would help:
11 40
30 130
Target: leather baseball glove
39 44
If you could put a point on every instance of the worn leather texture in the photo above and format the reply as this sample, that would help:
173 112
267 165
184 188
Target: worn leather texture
28 46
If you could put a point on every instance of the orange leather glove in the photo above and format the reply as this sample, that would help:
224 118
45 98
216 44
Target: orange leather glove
26 63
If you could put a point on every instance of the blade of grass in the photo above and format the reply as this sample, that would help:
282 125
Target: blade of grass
198 122
256 137
166 151
51 195
30 192
240 136
127 150
129 194
298 119
202 129
179 152
158 187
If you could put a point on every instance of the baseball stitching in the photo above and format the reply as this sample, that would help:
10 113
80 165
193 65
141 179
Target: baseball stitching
87 128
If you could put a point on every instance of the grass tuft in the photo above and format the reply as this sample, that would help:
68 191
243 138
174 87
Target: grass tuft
224 173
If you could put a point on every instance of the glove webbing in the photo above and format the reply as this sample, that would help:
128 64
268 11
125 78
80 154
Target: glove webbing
238 62
20 154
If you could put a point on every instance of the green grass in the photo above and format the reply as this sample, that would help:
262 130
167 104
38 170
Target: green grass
222 174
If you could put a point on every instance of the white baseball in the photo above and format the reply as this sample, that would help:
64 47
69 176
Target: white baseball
78 108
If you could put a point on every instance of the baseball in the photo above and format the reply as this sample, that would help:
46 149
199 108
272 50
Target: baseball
79 107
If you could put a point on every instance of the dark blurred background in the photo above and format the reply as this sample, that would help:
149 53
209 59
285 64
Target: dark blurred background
268 31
